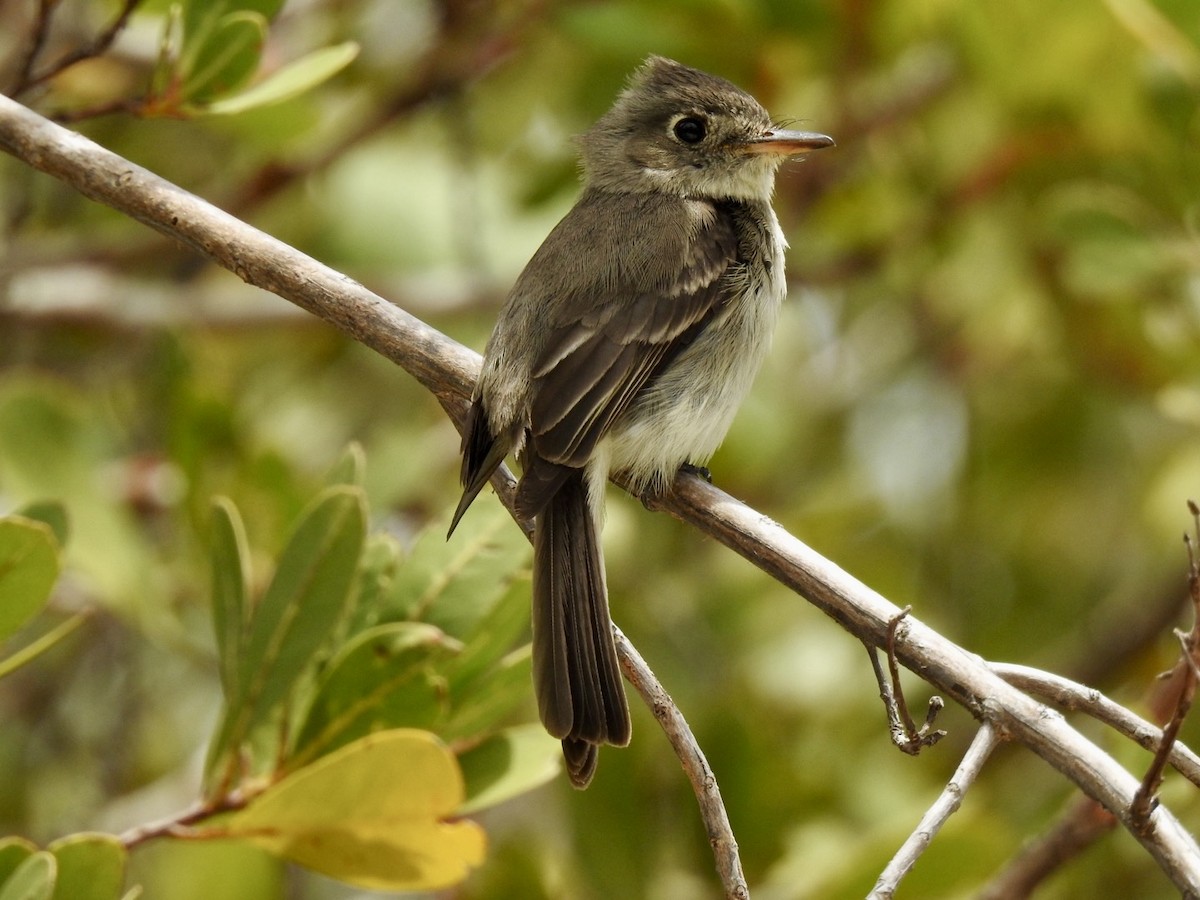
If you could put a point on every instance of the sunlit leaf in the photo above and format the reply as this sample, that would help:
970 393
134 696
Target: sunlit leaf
33 879
230 579
14 851
301 609
53 513
29 566
372 814
90 867
507 764
350 467
289 81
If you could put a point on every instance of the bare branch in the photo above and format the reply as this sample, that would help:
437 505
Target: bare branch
695 765
948 803
1074 697
447 369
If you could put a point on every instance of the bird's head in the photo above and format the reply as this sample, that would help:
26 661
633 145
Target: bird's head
679 130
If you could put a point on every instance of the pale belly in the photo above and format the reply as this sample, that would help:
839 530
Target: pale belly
686 414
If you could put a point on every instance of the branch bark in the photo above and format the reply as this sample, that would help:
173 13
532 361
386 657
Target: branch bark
448 370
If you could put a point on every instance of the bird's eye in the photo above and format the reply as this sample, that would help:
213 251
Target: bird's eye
690 129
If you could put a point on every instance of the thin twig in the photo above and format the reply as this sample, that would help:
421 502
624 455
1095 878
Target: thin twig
904 732
35 44
695 765
947 803
448 370
26 80
1071 696
1186 672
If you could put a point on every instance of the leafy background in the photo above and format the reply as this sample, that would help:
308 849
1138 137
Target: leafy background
984 401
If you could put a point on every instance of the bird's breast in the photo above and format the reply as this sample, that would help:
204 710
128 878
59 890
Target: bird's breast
684 414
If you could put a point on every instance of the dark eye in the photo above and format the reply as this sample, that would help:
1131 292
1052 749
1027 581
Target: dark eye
690 129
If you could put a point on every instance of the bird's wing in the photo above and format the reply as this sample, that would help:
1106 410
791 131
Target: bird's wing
654 300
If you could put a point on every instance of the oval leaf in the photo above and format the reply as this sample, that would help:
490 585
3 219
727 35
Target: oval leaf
508 764
380 679
226 57
370 814
33 879
307 597
289 81
29 566
230 578
90 867
53 513
13 852
350 467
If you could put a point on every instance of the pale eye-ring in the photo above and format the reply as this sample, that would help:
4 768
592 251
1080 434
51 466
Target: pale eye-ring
690 129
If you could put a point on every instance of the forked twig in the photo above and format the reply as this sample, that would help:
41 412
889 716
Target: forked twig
1071 696
26 80
1187 673
904 731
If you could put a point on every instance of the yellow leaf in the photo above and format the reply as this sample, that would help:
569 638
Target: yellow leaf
370 814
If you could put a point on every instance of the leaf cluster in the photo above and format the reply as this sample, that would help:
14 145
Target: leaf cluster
368 703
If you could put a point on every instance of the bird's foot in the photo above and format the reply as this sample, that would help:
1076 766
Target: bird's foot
658 488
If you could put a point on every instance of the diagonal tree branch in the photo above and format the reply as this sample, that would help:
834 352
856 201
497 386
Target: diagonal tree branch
447 369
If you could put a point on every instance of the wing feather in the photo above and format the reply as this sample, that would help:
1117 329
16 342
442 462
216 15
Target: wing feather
593 367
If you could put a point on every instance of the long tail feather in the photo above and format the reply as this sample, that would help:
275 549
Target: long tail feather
576 675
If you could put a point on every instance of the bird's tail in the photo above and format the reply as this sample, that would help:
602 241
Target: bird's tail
575 671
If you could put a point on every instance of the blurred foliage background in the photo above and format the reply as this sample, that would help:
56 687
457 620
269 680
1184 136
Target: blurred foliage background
984 401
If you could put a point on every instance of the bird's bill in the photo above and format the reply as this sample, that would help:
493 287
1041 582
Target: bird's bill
787 143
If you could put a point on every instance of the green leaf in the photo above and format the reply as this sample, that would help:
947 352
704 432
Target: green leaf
508 764
350 468
90 867
200 17
383 678
505 626
231 587
489 680
308 596
479 706
53 513
29 566
14 851
224 57
376 571
454 584
33 879
289 81
370 814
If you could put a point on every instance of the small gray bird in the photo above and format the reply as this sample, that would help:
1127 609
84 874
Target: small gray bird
627 345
